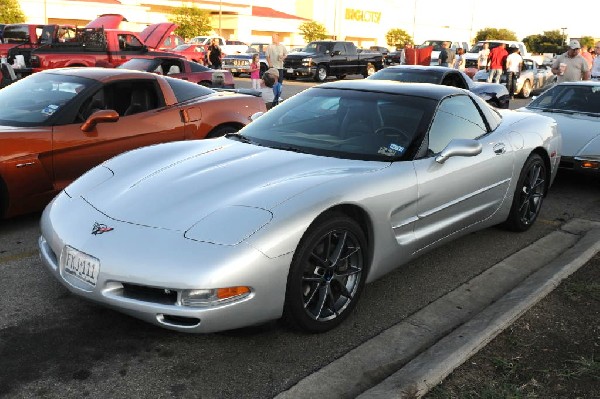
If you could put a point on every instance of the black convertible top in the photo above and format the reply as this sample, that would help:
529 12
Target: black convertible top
427 90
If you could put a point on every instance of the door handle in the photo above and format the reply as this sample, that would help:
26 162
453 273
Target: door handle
499 149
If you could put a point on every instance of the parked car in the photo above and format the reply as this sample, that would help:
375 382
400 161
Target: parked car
238 64
533 79
576 108
182 69
192 52
494 93
333 188
393 58
57 124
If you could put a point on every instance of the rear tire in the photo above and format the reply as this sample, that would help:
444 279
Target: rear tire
327 274
529 195
221 131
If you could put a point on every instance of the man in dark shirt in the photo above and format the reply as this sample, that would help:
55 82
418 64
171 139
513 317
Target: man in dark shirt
446 57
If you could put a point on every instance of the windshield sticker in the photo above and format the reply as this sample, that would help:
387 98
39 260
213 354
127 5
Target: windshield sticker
392 150
50 109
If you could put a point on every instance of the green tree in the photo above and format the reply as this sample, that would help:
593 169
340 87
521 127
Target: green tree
10 12
398 38
551 41
191 21
587 41
312 30
495 34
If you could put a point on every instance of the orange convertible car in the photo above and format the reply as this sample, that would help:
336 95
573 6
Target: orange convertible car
57 124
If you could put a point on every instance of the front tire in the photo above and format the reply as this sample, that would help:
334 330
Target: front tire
321 73
327 274
529 195
526 89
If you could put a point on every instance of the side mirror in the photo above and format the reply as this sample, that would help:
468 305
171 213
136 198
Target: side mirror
459 148
101 116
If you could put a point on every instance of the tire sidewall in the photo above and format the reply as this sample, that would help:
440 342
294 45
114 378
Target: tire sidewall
513 222
294 313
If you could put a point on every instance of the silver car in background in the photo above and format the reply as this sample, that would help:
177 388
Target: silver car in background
576 108
327 191
533 79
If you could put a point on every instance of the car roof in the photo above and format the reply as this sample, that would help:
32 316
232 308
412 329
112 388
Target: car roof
427 90
100 74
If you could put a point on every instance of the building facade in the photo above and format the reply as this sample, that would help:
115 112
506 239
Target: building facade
364 23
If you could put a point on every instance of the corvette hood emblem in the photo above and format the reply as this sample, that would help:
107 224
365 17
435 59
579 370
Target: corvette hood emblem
99 228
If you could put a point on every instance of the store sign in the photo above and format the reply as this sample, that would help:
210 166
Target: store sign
362 15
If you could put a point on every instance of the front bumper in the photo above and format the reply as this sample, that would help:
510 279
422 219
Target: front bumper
302 71
143 271
587 165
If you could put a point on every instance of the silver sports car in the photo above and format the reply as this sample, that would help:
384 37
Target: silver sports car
290 218
576 108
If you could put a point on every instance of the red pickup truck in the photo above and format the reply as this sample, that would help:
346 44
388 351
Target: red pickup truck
32 36
98 44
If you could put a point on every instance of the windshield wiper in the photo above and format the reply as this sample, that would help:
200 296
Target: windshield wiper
239 137
289 148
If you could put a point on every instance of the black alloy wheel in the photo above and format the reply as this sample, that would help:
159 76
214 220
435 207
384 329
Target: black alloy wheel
327 274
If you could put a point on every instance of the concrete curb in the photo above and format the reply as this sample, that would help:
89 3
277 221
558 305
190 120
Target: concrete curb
391 353
431 367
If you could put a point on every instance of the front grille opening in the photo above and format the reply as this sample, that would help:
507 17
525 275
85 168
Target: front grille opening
566 164
180 320
150 294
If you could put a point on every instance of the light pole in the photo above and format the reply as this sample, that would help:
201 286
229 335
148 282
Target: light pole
564 36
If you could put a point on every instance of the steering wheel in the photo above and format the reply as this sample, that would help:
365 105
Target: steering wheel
394 131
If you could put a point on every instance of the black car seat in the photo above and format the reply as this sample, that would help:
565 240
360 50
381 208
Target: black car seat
140 102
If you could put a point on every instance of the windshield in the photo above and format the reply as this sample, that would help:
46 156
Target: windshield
182 47
569 98
347 124
479 46
33 100
407 75
437 44
140 64
316 48
16 34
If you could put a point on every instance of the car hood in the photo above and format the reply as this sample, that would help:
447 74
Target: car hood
578 131
107 21
485 87
154 35
172 186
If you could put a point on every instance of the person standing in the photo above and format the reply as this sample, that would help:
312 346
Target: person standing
214 54
482 58
255 71
514 62
459 61
586 55
276 53
446 57
571 66
596 64
496 63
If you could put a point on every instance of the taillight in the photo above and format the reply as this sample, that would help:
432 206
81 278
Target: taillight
35 61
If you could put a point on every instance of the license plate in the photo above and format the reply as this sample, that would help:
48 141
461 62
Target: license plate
290 70
81 266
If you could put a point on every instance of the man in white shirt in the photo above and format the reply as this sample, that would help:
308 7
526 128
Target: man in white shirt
275 54
514 62
482 58
596 63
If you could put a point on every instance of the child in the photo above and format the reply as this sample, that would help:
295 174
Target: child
255 72
271 79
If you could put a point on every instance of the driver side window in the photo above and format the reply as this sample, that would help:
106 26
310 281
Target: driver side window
457 117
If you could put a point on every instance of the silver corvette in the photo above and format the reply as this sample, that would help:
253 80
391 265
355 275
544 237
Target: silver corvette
576 108
290 217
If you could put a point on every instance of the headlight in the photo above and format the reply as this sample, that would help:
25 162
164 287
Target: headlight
230 225
213 297
306 61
